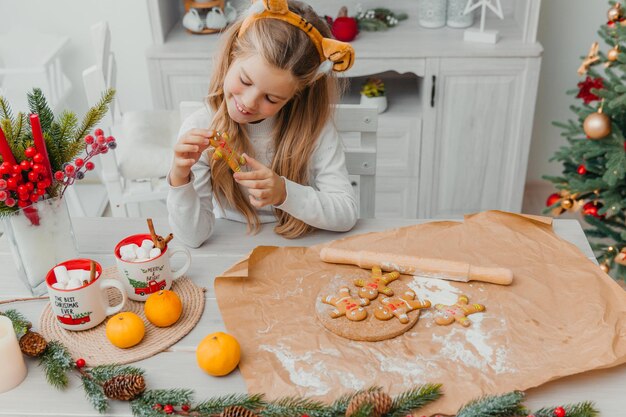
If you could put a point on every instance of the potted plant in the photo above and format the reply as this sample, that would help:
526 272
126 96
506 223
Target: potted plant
373 94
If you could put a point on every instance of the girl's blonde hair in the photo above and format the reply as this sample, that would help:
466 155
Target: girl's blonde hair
298 124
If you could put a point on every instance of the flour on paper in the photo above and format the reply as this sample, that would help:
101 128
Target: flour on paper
308 369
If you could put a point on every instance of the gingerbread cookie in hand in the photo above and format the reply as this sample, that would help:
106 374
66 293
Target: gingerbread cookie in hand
347 306
399 307
377 283
459 312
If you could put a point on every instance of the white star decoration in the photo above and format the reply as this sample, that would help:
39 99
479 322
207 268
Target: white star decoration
494 5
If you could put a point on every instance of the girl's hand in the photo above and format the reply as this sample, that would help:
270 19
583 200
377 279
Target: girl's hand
187 151
266 188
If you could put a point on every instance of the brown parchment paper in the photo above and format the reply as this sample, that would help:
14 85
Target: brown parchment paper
562 315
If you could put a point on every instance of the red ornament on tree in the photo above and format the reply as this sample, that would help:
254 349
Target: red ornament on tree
553 198
559 412
168 409
582 169
585 89
591 209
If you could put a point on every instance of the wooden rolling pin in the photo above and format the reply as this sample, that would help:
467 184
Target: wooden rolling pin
415 265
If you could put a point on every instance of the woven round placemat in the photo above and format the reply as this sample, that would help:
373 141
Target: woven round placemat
93 345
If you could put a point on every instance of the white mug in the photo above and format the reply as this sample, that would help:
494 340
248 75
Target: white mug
215 19
84 307
193 21
140 279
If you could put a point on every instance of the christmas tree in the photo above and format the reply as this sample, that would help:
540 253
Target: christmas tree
594 161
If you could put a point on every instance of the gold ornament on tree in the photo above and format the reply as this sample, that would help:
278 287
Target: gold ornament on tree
621 257
612 56
605 268
591 58
615 13
597 125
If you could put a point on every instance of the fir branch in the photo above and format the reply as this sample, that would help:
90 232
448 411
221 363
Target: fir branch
584 409
60 140
414 399
103 373
615 168
95 114
38 105
505 405
5 109
95 394
7 127
601 226
177 396
339 406
56 361
20 323
217 404
296 407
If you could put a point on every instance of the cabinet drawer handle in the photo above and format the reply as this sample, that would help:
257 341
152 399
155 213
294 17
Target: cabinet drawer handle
354 183
432 92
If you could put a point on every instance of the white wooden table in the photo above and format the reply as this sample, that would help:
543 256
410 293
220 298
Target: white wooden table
176 368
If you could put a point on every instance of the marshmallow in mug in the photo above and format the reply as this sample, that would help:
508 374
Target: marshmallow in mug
135 253
70 279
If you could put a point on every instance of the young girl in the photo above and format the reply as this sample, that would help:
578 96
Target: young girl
272 92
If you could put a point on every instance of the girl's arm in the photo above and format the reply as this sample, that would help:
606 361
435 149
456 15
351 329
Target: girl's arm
329 202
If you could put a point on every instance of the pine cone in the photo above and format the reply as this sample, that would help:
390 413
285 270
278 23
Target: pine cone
124 387
380 400
237 411
33 344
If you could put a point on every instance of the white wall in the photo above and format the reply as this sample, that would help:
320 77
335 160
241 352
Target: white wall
567 29
130 31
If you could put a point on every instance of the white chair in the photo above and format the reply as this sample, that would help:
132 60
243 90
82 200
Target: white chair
357 127
135 173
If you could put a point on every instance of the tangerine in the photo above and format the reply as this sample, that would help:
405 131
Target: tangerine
163 308
125 330
218 354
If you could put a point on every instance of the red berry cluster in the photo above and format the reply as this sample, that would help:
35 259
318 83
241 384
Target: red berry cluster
26 182
169 408
93 146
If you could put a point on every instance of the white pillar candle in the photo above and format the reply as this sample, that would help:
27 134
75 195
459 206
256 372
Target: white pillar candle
13 369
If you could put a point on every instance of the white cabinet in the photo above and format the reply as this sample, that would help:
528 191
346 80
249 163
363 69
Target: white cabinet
456 136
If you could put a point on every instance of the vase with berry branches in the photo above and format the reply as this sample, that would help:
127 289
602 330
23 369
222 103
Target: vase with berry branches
41 155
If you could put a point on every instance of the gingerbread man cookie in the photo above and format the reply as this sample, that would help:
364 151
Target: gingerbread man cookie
399 307
377 283
459 312
347 306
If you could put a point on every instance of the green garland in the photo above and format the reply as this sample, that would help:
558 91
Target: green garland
57 362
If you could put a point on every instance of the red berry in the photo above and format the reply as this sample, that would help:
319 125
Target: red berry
3 184
25 164
169 409
10 202
30 151
5 168
185 407
58 175
39 168
98 132
110 139
22 203
21 189
69 169
48 182
89 139
80 363
30 186
3 195
40 191
38 159
104 150
559 412
101 140
41 185
16 169
89 166
79 162
33 176
11 183
34 197
582 169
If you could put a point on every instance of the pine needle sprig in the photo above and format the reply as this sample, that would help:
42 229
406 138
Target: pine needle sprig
20 323
340 405
37 104
584 409
295 407
5 109
95 114
143 406
56 362
103 373
217 404
414 399
95 394
505 405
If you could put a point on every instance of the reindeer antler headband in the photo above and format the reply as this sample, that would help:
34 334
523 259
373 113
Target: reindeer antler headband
333 54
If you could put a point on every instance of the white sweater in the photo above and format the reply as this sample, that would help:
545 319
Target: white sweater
327 202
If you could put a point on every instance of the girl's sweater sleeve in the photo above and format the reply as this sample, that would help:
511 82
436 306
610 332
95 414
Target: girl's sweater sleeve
190 206
329 202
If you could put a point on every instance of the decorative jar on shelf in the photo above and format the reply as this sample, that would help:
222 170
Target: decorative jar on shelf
456 18
431 13
373 94
40 236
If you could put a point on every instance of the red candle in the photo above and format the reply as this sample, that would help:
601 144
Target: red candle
5 150
40 143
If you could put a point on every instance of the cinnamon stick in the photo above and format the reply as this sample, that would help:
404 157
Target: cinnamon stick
155 237
92 271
